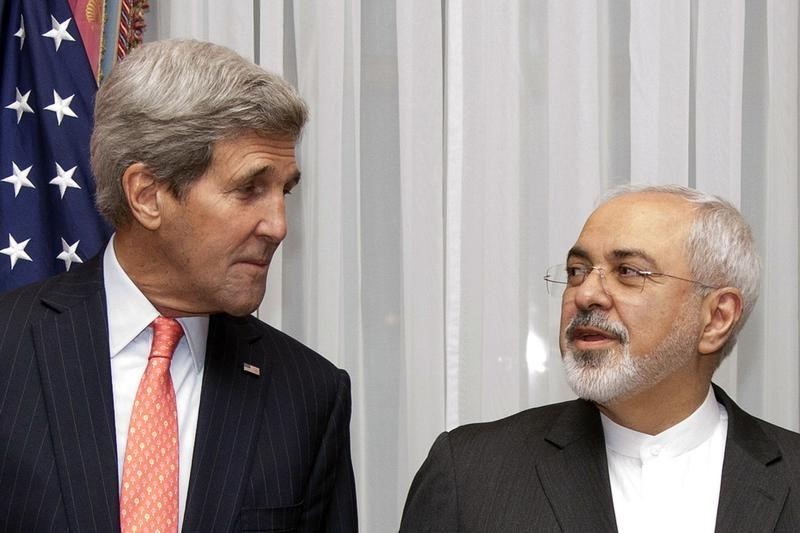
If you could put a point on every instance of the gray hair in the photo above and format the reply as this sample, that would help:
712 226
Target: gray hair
168 103
720 248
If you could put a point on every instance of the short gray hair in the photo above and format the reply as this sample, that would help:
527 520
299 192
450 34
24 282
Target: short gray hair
169 102
720 248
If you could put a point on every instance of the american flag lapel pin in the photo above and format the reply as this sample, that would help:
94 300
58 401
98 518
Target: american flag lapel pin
251 369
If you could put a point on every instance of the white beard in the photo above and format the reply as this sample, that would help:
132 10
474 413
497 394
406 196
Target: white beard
603 376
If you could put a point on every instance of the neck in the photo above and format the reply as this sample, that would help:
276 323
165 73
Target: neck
663 405
142 262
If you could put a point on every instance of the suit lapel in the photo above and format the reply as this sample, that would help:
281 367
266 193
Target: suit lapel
574 476
231 410
751 494
71 347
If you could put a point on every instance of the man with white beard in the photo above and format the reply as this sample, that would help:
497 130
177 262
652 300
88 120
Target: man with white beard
654 293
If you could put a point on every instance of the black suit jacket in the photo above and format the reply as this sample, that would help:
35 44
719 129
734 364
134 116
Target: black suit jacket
272 452
545 470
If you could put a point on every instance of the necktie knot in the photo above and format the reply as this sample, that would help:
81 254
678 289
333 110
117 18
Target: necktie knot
167 332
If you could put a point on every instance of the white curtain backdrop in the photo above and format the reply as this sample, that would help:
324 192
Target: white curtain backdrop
454 151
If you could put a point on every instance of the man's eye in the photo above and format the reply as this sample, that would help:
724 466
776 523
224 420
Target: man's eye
576 271
626 271
248 190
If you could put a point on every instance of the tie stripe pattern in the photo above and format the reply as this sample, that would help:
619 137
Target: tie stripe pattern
149 496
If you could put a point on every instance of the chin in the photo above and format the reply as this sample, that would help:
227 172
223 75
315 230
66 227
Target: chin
240 306
242 309
593 375
240 299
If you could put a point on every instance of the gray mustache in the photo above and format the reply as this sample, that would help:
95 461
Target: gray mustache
598 320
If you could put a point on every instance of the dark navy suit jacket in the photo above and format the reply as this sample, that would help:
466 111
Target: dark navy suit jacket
545 470
272 452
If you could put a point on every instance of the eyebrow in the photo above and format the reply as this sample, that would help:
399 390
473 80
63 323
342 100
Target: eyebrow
618 254
628 253
269 170
577 251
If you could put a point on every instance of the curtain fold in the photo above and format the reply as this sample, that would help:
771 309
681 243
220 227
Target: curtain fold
453 154
490 293
660 58
420 80
780 236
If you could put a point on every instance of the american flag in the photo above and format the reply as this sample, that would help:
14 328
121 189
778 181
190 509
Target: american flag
48 222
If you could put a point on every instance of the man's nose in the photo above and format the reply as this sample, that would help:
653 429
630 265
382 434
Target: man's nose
273 219
593 291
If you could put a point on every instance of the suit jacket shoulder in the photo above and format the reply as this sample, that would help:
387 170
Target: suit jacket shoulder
29 303
286 348
543 469
760 487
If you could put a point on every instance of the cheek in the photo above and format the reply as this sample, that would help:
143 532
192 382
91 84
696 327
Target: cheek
568 311
211 252
645 318
644 327
242 223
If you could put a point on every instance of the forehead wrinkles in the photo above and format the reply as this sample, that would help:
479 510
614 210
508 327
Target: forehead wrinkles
650 226
248 161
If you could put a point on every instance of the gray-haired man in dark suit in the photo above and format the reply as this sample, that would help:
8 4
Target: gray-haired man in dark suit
193 151
654 291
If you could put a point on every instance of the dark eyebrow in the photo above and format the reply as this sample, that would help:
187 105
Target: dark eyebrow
619 254
628 253
577 251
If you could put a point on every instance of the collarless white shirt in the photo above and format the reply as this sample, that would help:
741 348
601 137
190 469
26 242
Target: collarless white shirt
668 482
129 339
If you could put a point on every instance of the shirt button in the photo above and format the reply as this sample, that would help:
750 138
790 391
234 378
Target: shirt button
655 450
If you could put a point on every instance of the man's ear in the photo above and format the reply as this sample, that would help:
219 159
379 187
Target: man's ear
142 191
722 310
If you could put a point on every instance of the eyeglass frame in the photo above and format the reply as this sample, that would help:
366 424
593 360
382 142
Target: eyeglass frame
643 274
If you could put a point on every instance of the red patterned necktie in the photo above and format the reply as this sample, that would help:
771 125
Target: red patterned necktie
149 496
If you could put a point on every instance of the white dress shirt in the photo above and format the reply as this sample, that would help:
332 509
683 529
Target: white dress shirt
668 482
129 339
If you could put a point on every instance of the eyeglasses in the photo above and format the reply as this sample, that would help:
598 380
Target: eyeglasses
561 277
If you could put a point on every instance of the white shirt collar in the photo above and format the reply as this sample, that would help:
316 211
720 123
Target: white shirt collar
130 312
680 438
